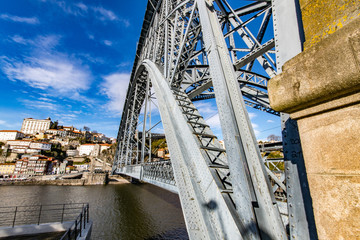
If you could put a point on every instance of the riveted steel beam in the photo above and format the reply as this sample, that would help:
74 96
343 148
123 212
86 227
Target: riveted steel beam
288 39
235 122
205 210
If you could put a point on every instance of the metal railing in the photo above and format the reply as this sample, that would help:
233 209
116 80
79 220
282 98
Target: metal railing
80 224
161 171
50 213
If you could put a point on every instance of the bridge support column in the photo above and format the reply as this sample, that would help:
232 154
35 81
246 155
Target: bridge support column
320 88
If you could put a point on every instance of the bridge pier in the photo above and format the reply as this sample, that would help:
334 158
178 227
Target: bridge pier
320 89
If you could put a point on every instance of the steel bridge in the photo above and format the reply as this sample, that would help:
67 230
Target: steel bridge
195 50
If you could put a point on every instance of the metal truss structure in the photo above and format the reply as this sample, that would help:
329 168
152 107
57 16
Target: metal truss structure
192 50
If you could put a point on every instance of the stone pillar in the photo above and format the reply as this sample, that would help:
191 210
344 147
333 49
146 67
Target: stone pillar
320 88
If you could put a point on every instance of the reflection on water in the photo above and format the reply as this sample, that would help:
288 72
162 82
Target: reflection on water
125 211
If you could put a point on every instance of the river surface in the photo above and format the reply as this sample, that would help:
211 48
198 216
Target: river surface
123 211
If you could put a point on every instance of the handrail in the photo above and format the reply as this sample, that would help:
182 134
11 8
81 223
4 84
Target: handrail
38 205
78 226
39 214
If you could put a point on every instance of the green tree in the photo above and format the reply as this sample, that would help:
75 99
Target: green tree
56 152
160 143
54 124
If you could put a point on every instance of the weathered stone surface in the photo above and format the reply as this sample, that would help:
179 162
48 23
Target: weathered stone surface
322 18
331 141
324 72
336 205
326 106
95 178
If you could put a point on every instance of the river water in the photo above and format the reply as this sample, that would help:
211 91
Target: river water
123 211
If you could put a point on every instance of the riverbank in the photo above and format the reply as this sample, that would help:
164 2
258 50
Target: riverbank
90 179
59 182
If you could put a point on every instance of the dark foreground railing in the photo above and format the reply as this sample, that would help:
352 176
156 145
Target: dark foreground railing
51 213
80 224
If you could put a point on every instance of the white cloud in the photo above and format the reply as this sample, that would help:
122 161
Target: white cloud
78 9
252 115
123 64
49 72
104 14
19 39
47 42
89 58
206 108
81 6
48 69
125 22
214 122
66 117
115 88
215 125
157 130
29 20
256 130
46 99
40 105
41 42
270 121
108 15
81 9
108 43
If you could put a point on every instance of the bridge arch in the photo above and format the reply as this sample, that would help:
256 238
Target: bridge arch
196 185
178 37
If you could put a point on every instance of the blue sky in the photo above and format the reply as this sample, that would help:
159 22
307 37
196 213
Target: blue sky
71 61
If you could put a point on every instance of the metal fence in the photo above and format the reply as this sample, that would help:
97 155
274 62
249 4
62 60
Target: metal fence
80 224
39 214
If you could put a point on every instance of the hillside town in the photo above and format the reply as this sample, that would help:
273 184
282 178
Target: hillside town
43 147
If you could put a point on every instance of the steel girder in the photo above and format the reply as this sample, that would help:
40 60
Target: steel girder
188 48
289 37
208 209
252 184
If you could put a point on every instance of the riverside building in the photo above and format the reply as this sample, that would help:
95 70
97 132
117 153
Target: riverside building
6 169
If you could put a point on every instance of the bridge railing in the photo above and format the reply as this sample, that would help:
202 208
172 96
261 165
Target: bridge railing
160 171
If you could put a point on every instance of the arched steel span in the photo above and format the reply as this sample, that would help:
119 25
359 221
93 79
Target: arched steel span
188 51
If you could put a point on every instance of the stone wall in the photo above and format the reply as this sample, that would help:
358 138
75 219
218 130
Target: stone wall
96 178
58 182
88 179
320 88
323 18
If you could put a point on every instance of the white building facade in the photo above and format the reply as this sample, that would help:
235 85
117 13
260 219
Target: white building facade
27 146
72 152
104 147
6 135
89 150
41 146
34 126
